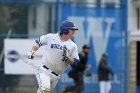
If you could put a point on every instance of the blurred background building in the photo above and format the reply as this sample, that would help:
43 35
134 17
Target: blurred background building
111 26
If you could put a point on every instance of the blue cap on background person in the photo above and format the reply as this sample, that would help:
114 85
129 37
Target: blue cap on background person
105 54
86 46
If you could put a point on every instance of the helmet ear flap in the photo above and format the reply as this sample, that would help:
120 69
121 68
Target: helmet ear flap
64 30
61 29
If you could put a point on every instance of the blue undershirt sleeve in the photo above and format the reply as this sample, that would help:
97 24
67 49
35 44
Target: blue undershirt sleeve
75 63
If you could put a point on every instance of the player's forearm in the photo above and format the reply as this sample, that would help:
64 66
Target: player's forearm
71 61
34 48
32 52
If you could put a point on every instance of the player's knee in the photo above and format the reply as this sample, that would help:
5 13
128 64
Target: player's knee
45 90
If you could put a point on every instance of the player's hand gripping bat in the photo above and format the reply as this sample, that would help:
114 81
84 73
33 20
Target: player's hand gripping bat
31 54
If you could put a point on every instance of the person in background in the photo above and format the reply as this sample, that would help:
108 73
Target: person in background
77 73
103 74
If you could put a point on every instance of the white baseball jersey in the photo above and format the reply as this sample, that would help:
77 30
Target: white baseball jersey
52 57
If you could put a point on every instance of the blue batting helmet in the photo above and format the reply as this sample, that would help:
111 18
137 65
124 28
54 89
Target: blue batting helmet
66 25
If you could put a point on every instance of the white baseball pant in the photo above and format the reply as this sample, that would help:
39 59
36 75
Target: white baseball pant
105 86
46 80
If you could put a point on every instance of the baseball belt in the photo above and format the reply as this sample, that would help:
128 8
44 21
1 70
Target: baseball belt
50 70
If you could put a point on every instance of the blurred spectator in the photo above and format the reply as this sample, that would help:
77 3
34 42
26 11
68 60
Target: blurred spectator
103 74
77 73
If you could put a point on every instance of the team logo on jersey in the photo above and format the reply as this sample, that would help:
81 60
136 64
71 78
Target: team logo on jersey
57 46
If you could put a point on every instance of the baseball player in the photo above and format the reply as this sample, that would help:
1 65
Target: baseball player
103 74
60 51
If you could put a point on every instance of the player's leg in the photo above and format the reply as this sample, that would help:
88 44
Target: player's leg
44 82
38 91
108 86
54 81
68 89
102 86
79 84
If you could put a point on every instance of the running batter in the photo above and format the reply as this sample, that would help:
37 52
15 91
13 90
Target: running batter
60 51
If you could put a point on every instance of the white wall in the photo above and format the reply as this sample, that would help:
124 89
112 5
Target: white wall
132 17
42 18
134 34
